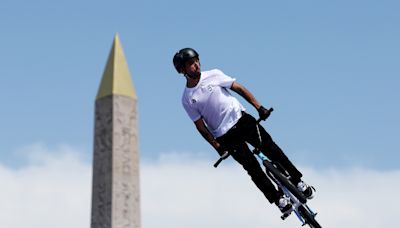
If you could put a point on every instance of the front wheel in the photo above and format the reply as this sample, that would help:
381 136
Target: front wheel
309 217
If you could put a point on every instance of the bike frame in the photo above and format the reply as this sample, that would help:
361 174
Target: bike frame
296 203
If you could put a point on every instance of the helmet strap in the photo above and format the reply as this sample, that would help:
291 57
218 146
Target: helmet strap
190 76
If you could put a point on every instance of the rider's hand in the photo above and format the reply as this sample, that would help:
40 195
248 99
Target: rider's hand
263 112
222 149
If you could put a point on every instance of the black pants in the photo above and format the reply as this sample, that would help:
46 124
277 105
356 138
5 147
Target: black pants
245 131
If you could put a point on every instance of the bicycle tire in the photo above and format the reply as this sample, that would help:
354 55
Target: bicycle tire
284 181
308 217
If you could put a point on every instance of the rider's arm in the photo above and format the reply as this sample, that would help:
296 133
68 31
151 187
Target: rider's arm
201 127
246 94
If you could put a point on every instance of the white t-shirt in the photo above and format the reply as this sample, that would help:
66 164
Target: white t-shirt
211 100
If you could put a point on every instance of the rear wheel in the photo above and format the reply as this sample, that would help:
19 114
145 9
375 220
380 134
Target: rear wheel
284 181
309 217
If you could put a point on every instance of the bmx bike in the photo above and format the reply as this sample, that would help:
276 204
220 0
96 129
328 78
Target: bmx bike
281 179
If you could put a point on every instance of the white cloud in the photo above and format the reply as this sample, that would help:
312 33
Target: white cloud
191 193
53 190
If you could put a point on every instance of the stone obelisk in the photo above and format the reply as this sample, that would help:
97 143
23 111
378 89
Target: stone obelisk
115 187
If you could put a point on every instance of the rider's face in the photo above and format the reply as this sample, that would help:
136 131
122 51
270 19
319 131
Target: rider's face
192 68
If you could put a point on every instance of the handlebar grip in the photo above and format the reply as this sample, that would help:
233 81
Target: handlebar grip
259 119
217 163
223 157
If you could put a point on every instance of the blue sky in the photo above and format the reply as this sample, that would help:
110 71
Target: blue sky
329 69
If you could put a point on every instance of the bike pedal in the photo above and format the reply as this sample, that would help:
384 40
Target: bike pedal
284 216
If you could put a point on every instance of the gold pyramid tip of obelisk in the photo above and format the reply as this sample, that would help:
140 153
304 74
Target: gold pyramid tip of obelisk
116 77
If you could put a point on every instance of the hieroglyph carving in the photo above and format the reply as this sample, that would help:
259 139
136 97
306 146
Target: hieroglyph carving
126 164
115 200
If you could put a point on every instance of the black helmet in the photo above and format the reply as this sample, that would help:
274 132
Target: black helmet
182 56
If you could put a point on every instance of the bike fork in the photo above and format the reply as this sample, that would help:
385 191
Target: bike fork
301 217
303 222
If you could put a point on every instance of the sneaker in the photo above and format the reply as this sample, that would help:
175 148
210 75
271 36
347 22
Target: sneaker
285 205
308 191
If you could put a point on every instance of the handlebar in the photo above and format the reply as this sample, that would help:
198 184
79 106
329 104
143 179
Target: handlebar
227 154
223 157
270 110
